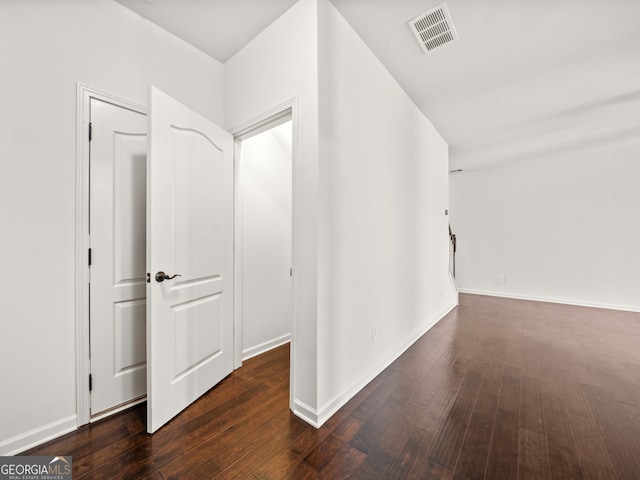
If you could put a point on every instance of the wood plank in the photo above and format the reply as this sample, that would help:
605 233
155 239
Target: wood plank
563 455
533 456
272 447
448 440
503 452
619 425
589 443
388 449
222 450
323 453
410 457
387 411
594 472
288 465
344 463
374 466
531 417
474 452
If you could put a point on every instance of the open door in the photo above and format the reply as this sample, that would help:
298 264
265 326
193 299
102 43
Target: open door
189 256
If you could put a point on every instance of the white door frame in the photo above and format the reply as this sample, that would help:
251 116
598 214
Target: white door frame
83 367
249 128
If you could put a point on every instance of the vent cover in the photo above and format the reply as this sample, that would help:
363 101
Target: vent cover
434 28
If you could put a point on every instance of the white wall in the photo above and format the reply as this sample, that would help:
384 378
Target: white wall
383 243
266 240
46 48
278 65
563 226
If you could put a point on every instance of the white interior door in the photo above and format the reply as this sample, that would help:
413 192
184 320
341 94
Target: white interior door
189 233
118 156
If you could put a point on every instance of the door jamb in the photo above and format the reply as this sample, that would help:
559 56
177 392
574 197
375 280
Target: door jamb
252 126
84 94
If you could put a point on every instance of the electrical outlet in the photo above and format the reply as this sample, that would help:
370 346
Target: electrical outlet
374 333
501 279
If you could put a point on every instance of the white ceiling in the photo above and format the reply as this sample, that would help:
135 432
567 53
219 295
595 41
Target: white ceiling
525 76
217 27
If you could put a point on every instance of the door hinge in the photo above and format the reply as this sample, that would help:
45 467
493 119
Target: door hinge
89 257
90 382
291 272
90 131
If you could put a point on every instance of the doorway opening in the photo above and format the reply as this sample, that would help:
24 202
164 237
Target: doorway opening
263 246
265 165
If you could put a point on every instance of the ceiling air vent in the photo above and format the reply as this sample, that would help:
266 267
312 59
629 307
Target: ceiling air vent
434 28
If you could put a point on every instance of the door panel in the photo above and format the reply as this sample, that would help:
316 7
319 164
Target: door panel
130 345
118 242
190 233
130 200
198 181
197 332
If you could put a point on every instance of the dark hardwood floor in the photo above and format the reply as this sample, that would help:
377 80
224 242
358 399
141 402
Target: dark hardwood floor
498 389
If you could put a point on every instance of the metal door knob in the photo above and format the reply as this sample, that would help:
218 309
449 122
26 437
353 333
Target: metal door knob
161 276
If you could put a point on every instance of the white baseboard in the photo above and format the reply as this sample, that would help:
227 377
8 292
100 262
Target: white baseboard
38 436
332 406
306 413
265 347
563 301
